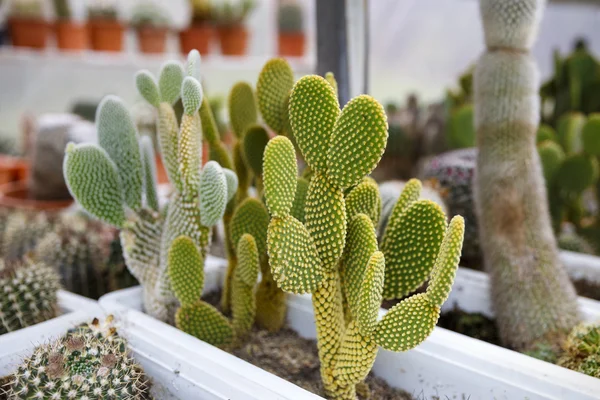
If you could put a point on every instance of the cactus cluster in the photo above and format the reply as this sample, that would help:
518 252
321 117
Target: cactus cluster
89 362
334 254
22 233
582 350
29 294
531 292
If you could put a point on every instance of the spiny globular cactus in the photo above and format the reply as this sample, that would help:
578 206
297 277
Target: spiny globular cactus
29 294
112 182
89 362
22 233
532 295
334 253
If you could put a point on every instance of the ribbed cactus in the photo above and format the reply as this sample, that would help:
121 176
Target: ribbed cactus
79 249
29 294
334 254
22 233
532 295
112 183
88 362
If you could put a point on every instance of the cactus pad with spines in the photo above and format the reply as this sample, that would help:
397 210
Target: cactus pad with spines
169 82
371 293
251 217
275 82
149 162
29 294
186 270
213 186
280 175
86 163
117 135
205 322
242 108
243 302
364 198
147 87
551 156
298 206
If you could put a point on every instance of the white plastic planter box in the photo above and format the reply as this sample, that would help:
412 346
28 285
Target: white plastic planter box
446 364
581 266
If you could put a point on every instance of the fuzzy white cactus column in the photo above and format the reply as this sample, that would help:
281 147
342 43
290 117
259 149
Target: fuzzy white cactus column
532 294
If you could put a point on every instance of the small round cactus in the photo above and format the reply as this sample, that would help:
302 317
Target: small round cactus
29 294
582 350
89 362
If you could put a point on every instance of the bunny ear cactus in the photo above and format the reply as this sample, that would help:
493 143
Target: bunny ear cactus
531 291
114 181
334 253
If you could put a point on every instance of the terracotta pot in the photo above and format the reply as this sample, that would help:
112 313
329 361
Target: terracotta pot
29 32
234 40
107 35
291 44
71 35
196 37
152 40
16 195
13 169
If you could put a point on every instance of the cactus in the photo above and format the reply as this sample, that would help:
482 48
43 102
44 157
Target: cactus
461 133
232 12
531 292
582 350
23 232
62 9
334 254
29 294
109 181
79 249
546 133
290 18
89 362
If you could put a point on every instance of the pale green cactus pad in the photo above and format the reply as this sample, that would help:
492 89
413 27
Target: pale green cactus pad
275 82
146 85
87 163
186 270
148 158
213 193
251 217
169 82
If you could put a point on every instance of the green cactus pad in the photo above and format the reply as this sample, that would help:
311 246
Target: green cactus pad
407 324
250 217
590 135
357 142
117 135
294 260
446 264
204 322
355 356
146 85
568 131
247 253
87 163
577 173
168 132
169 82
232 183
314 110
210 129
242 108
551 156
191 95
243 308
299 203
280 173
410 194
213 194
461 130
361 244
190 153
193 64
371 293
186 270
326 219
545 132
411 246
364 198
149 162
275 82
255 141
329 77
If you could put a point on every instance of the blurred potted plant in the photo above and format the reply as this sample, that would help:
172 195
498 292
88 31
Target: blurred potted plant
229 18
291 29
200 32
151 25
106 30
28 28
70 34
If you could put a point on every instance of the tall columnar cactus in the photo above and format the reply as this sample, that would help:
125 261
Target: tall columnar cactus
29 294
88 362
531 291
112 182
334 253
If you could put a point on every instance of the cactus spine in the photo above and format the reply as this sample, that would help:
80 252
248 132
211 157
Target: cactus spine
110 181
89 362
334 254
29 294
532 294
